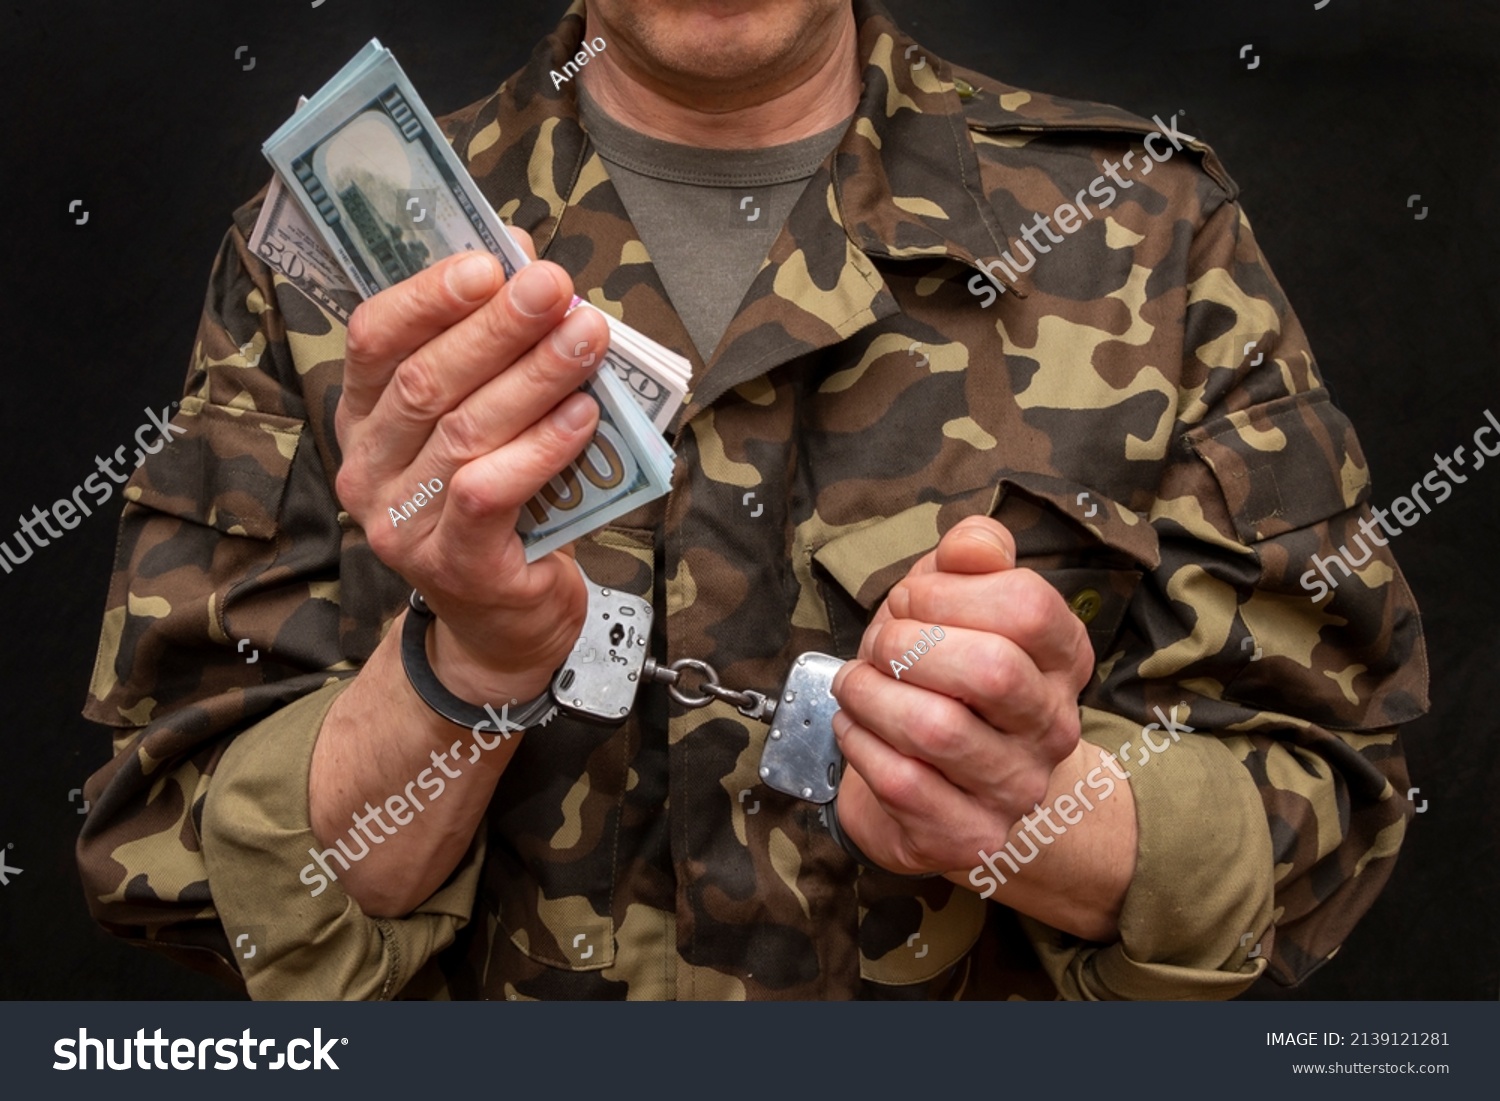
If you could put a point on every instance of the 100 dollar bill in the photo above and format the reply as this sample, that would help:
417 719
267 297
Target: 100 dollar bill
381 186
379 180
287 242
589 493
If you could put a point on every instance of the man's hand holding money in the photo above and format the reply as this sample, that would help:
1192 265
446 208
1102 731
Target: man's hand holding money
454 374
457 375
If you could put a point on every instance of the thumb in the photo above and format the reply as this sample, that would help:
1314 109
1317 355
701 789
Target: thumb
976 544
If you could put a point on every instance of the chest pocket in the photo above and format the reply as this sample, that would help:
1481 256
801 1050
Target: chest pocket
1090 548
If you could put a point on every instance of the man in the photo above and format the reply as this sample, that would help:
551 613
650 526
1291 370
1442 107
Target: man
1034 492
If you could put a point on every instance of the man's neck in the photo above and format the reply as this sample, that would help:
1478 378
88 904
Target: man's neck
818 96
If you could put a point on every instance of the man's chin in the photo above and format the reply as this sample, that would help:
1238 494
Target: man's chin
710 66
720 45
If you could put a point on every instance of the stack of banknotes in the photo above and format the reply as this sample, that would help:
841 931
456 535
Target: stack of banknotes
368 192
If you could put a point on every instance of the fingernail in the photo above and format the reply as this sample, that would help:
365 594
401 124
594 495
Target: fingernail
574 413
534 290
472 278
989 538
570 340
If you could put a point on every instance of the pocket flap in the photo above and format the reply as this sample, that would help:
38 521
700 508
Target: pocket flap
1090 548
1083 512
1043 513
1322 468
869 561
226 470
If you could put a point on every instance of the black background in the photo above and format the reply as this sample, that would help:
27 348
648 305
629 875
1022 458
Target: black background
144 114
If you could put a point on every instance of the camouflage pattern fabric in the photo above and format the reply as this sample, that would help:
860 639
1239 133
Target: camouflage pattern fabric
869 399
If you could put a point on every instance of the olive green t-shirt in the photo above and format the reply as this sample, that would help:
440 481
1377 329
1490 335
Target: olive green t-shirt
708 217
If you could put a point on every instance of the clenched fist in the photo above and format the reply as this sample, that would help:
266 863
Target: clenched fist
946 752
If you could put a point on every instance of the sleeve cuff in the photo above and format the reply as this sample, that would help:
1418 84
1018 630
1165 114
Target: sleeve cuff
295 939
1202 897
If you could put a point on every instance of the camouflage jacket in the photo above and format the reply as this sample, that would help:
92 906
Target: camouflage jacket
1140 406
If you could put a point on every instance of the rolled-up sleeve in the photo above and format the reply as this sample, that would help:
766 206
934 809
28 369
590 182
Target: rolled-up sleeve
304 937
240 591
1201 899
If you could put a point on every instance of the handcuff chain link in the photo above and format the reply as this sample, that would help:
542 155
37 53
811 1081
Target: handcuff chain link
748 702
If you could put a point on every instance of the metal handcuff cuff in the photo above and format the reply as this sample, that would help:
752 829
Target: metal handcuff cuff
608 664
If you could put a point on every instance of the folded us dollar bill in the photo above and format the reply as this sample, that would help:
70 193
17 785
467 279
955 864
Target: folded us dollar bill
287 242
370 175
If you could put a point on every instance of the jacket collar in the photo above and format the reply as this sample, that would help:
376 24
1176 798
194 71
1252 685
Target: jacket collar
906 175
903 184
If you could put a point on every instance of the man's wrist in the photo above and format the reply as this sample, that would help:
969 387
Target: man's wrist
1073 871
477 682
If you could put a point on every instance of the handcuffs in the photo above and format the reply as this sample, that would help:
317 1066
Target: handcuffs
608 664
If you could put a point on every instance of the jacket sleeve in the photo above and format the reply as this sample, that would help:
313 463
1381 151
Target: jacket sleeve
239 588
1268 828
304 938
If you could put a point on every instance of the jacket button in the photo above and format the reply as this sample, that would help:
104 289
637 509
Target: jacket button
1086 604
964 89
